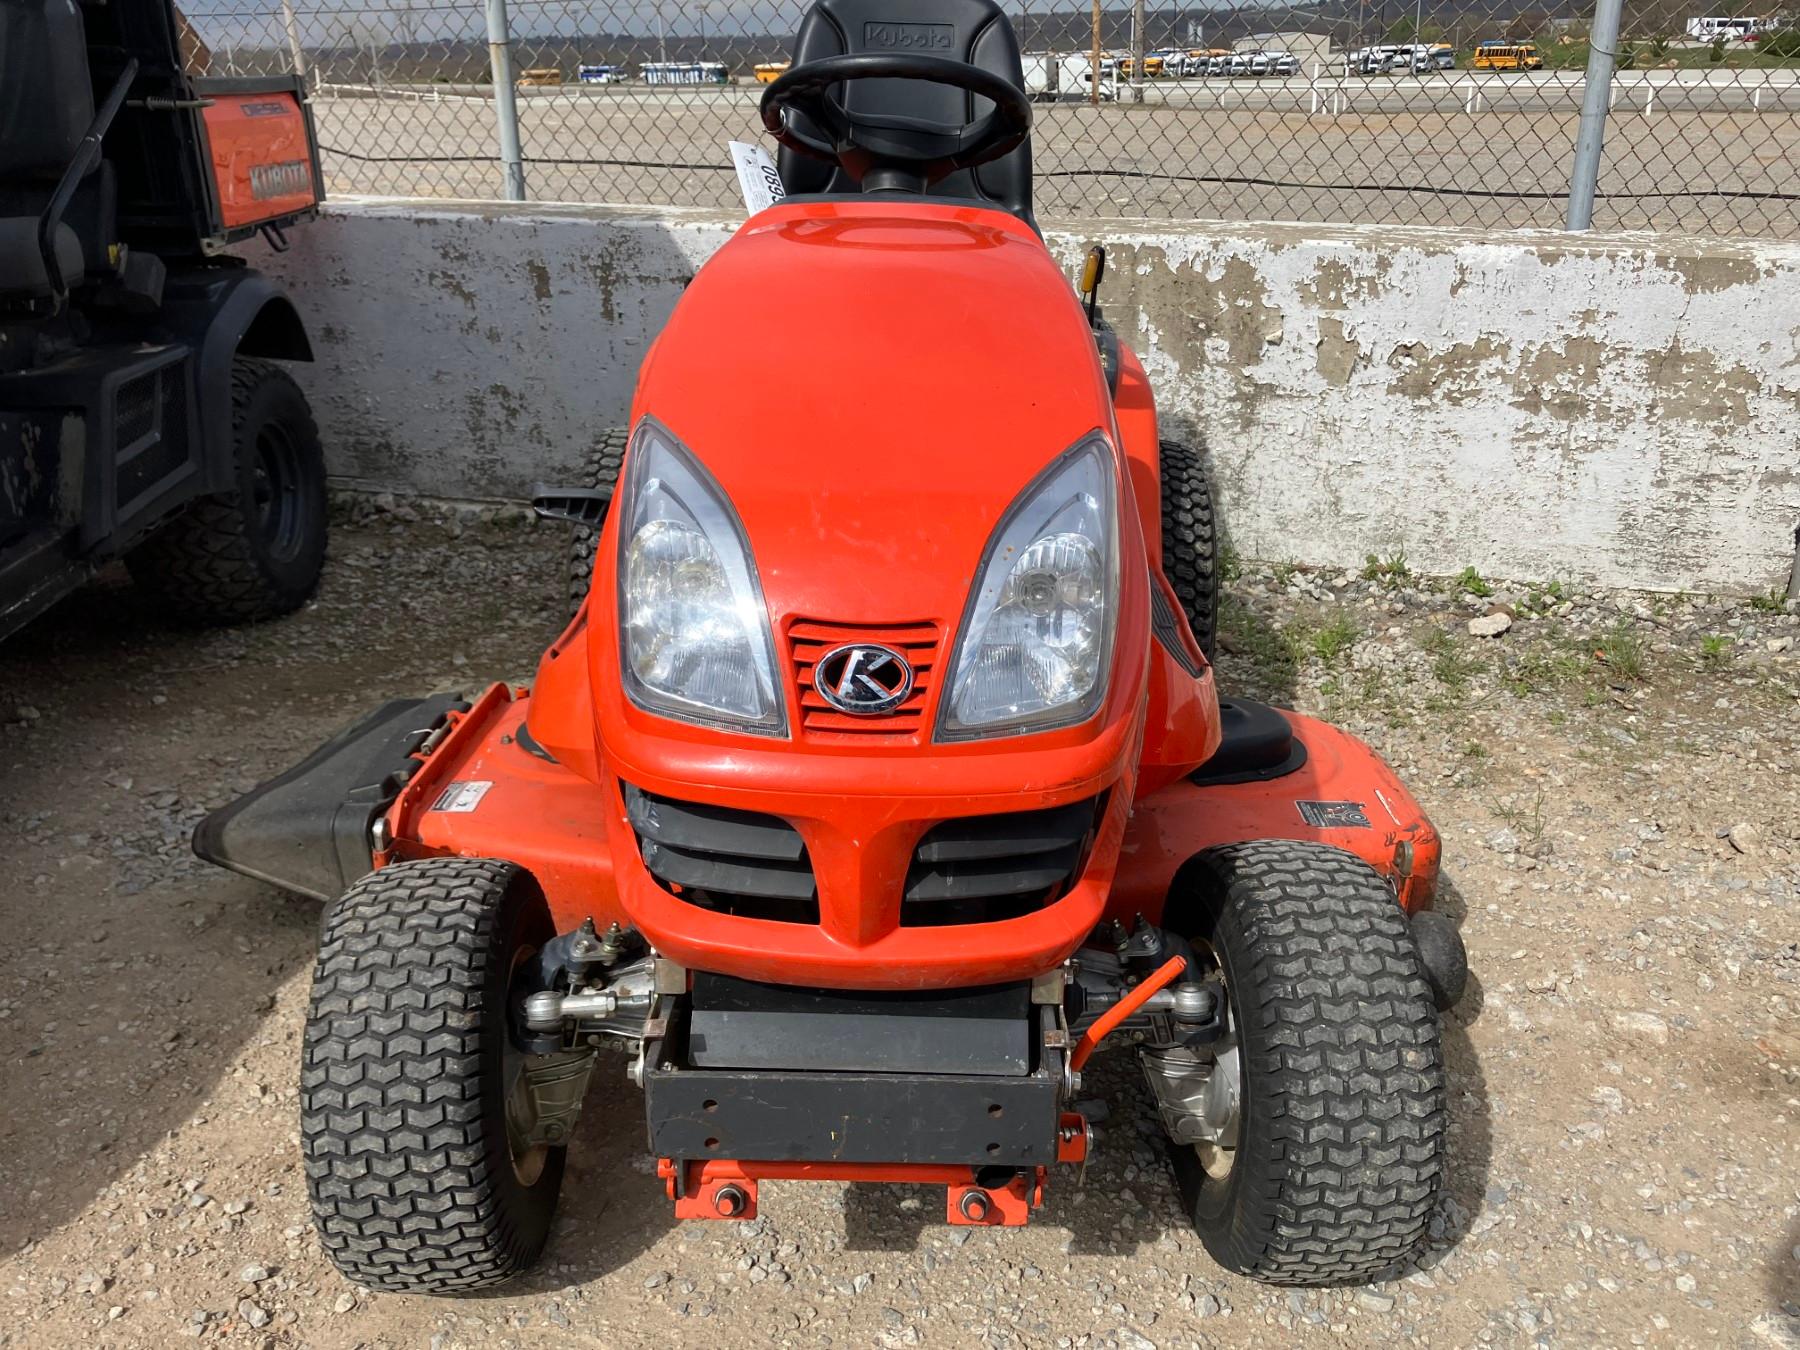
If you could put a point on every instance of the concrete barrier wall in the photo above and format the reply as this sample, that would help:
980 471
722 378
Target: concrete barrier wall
1616 409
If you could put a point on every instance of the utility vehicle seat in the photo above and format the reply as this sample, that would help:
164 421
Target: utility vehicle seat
975 31
46 104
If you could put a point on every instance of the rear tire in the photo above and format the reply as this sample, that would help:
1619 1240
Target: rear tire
1190 541
256 551
1341 1151
600 470
414 1187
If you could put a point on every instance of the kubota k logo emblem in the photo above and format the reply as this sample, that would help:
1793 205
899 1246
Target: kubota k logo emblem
863 679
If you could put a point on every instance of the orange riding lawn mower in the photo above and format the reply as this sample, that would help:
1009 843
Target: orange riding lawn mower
880 778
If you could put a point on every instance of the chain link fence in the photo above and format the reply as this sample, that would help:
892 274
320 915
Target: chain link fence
1371 111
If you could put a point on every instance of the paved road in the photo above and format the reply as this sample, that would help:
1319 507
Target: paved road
1458 147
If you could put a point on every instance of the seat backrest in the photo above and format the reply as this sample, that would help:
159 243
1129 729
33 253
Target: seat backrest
46 100
975 31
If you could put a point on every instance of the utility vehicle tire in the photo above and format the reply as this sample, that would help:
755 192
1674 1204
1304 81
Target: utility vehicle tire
1341 1151
600 470
1190 541
256 551
414 1187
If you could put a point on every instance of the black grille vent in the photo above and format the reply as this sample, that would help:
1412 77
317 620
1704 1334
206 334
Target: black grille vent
725 860
1167 629
980 869
134 409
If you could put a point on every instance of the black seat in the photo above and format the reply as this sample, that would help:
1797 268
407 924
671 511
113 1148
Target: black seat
46 104
975 31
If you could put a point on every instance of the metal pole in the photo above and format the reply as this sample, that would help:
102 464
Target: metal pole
506 106
1094 73
293 37
1584 173
1137 51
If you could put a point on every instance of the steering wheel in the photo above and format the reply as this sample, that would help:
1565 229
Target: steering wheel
907 148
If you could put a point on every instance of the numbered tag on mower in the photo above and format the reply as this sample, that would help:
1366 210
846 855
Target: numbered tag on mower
757 176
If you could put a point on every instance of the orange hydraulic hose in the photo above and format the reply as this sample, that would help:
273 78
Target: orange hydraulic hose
1105 1023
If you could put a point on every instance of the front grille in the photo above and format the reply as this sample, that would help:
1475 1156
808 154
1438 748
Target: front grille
729 861
134 409
981 869
152 435
917 642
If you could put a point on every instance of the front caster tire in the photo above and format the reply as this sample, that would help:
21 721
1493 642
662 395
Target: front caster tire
404 1074
256 551
1341 1141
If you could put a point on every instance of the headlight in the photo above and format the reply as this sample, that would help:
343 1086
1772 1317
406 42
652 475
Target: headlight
1036 638
693 630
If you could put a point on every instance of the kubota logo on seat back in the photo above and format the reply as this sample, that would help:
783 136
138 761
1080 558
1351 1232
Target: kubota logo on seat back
863 679
910 37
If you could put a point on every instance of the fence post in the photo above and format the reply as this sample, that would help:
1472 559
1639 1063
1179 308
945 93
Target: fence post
1137 51
293 36
1596 97
1094 70
506 105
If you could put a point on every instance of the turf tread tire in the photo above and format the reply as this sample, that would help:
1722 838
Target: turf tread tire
599 469
1342 1152
403 1136
204 566
1190 540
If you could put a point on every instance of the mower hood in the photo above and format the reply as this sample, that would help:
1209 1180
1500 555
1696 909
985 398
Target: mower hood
892 377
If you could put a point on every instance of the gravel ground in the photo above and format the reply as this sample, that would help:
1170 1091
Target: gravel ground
1614 777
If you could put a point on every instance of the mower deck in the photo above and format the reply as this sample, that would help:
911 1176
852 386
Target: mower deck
473 783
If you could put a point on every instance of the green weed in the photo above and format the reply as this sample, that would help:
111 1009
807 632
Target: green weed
1470 582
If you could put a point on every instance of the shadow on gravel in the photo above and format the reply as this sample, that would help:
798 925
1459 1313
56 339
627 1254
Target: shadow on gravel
1471 1111
613 1205
1784 1278
130 979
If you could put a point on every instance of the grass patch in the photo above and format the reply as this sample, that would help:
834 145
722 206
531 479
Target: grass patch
1715 649
1330 640
1247 635
1621 651
1451 663
1774 602
1470 582
1537 669
1541 598
1528 825
1231 566
1390 572
1283 572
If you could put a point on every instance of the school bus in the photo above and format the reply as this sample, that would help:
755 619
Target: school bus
770 71
541 75
1507 56
1153 67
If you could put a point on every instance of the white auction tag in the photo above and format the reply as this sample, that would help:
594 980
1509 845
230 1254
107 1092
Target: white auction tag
757 176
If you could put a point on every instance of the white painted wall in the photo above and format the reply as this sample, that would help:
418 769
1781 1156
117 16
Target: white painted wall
1617 409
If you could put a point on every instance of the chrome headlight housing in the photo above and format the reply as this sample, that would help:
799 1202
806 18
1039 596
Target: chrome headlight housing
1034 648
694 636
